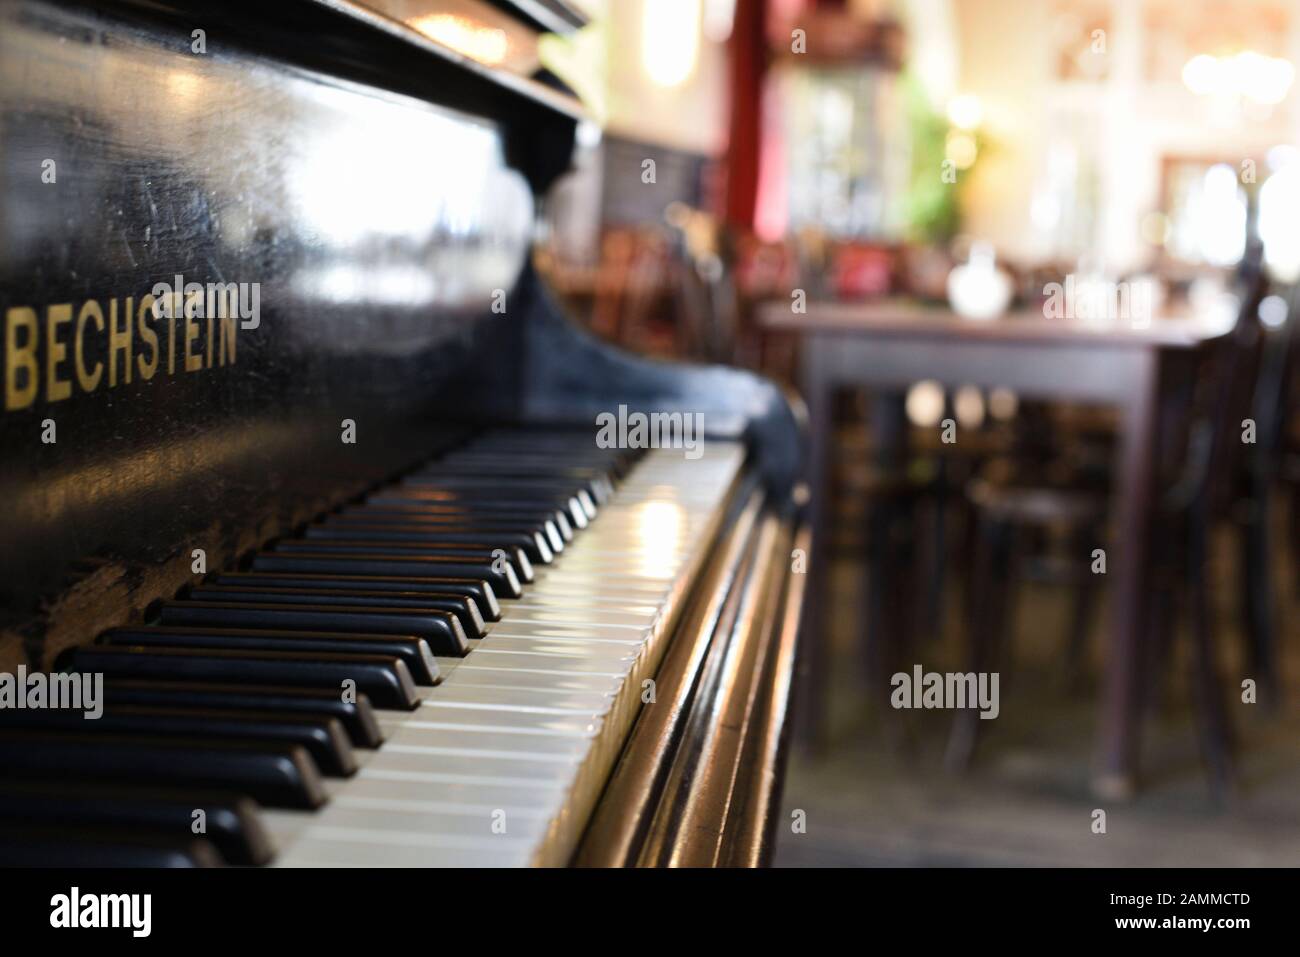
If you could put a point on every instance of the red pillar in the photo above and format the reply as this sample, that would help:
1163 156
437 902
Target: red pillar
747 65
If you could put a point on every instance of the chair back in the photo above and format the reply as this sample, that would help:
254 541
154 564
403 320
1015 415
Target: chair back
1230 393
1275 396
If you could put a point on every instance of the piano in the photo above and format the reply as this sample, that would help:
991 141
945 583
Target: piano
364 553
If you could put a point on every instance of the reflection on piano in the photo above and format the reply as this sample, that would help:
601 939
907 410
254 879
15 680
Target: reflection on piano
361 584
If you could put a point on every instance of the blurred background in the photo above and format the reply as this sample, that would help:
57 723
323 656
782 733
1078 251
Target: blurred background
955 158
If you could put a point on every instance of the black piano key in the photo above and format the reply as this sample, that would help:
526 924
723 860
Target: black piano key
384 679
479 591
504 581
536 462
576 443
406 497
23 845
272 774
578 503
322 738
533 544
439 631
465 609
230 821
453 474
556 525
564 464
357 717
542 533
515 558
229 626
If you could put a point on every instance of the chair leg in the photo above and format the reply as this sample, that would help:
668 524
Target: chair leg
987 611
1208 692
1295 532
882 600
876 594
1083 611
1163 621
938 559
904 614
902 607
890 611
1257 597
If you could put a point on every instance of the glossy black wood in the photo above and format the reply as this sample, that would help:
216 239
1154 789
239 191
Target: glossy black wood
376 225
379 189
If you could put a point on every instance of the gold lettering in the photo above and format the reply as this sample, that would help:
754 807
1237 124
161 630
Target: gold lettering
192 362
229 326
172 315
118 342
171 345
55 352
20 358
150 339
138 339
89 310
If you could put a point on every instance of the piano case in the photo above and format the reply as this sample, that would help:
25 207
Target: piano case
355 203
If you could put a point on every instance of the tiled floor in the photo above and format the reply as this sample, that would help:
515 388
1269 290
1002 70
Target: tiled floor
1026 800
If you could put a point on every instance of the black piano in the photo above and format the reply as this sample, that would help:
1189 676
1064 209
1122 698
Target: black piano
325 537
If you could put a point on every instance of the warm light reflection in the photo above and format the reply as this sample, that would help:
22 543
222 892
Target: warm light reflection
659 527
966 112
719 19
670 40
184 86
356 184
1219 212
961 150
488 45
925 402
348 283
1279 198
1247 74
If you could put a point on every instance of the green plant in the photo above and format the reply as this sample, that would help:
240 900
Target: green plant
932 204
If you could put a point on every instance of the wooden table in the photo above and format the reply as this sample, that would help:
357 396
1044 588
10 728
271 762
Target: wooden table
887 345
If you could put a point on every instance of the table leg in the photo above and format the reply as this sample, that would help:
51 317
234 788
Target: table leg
1135 492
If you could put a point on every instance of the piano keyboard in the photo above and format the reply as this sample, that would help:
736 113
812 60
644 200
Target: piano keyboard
442 674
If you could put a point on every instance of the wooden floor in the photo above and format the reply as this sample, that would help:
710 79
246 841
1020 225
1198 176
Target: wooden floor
868 802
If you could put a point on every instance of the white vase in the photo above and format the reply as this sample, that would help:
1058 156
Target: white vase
978 289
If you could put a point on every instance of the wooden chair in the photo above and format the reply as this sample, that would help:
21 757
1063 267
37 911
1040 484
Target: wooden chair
1270 464
1011 501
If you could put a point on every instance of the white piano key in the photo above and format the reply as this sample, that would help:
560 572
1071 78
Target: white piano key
586 603
583 617
531 721
527 722
486 658
429 738
327 849
374 790
543 701
567 645
594 633
470 827
497 769
534 680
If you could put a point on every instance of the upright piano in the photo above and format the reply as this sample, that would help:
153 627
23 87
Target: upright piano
374 557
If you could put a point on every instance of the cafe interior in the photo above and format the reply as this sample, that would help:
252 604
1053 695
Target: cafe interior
1031 270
